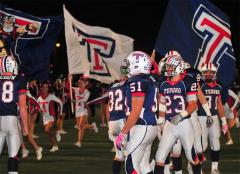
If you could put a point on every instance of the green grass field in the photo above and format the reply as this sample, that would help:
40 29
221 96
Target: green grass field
95 157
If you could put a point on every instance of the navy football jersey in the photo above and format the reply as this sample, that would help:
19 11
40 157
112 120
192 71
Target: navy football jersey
194 73
144 85
175 94
11 86
117 101
212 94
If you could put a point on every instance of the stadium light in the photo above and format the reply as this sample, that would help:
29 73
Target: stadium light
58 45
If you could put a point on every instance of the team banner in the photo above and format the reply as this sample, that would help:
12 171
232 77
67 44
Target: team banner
200 32
95 51
31 39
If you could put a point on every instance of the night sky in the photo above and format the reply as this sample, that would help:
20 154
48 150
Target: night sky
140 20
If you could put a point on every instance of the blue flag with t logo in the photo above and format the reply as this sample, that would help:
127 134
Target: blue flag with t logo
200 32
31 40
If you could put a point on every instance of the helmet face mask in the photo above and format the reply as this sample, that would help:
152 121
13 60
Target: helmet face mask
174 66
124 68
209 76
138 62
209 72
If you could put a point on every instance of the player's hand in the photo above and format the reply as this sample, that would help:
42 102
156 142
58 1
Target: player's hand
224 125
224 128
209 121
121 140
176 119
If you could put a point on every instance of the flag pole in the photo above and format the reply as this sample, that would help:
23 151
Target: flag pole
153 55
71 95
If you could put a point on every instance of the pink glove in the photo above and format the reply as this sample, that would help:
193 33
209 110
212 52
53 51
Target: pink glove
224 128
120 140
224 125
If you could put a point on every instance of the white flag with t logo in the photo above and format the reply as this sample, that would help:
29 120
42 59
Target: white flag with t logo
95 51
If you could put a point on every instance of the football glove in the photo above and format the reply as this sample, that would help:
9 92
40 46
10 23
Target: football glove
224 125
176 119
120 141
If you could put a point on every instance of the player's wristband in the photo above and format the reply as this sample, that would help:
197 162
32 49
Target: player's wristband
206 109
162 107
223 119
184 113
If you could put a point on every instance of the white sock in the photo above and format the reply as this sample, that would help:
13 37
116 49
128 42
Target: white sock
190 171
167 169
178 172
12 172
214 165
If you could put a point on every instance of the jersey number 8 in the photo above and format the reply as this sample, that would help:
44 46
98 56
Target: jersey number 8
7 91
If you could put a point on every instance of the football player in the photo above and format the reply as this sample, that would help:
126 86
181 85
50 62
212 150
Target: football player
46 101
13 96
116 116
177 103
212 91
176 152
140 126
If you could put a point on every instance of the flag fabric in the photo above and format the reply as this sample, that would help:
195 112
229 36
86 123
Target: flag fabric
33 48
96 52
200 32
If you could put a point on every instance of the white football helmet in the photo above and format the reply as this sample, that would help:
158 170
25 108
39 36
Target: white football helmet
209 72
10 66
174 66
161 66
138 62
172 53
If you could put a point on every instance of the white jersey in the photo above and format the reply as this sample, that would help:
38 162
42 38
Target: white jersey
81 99
48 108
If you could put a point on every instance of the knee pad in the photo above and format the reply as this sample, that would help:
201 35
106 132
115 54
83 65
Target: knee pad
13 164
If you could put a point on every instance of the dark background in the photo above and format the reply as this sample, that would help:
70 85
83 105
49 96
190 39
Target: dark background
140 20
